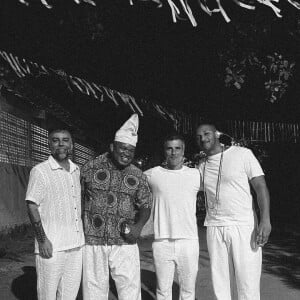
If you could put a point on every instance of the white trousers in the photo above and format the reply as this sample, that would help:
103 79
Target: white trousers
59 277
232 254
182 254
123 262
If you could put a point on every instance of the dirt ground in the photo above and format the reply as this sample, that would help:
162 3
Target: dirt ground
280 277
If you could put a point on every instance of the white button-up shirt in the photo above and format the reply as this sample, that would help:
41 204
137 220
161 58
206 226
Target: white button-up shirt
58 196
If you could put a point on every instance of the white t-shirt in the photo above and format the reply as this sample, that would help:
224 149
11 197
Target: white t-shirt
234 205
58 196
174 202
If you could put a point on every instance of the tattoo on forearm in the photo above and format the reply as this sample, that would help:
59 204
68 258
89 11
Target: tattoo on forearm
36 223
39 231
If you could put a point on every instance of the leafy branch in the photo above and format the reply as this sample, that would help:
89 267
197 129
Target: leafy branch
275 69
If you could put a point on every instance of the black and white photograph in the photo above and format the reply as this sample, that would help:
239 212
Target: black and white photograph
149 149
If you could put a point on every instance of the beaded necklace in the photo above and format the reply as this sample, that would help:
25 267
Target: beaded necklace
214 203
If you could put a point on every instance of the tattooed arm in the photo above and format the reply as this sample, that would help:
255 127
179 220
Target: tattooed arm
45 246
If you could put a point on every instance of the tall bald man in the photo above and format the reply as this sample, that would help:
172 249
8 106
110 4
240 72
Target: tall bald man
234 237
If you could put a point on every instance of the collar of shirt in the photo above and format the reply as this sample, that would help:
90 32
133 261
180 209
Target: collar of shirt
55 165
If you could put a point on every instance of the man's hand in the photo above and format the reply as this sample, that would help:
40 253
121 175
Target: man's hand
263 232
134 234
45 249
263 199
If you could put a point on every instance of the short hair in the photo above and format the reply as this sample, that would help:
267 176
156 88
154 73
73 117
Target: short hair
173 137
51 132
208 124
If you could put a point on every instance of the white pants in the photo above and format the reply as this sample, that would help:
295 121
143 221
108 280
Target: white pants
232 254
124 264
182 254
59 277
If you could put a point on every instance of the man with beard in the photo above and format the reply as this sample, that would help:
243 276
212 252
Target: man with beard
234 238
117 204
176 246
54 206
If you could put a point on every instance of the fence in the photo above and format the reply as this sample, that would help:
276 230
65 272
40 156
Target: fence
264 131
25 144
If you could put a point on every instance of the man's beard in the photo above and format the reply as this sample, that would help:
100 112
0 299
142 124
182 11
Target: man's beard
61 156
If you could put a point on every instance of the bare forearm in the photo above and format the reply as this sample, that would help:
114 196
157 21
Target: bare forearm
143 217
263 200
135 230
263 197
36 222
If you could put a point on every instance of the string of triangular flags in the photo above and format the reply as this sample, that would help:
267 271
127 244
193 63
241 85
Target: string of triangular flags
177 6
42 102
49 6
23 67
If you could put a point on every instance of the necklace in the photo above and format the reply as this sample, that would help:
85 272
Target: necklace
213 205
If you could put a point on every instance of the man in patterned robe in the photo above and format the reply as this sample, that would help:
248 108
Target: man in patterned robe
116 196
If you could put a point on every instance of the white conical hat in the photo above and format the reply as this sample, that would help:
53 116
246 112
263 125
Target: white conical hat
128 132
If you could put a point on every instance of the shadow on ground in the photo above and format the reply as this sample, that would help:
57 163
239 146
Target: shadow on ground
149 286
24 286
282 256
282 253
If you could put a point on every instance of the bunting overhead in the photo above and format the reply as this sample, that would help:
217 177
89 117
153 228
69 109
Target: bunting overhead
254 131
50 6
22 68
180 8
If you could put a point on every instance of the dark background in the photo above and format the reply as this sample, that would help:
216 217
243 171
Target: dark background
138 50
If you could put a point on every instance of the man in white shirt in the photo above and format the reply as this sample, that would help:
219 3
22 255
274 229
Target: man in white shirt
174 188
54 206
234 238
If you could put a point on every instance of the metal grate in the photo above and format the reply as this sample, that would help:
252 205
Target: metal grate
14 144
39 144
26 144
82 154
264 131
